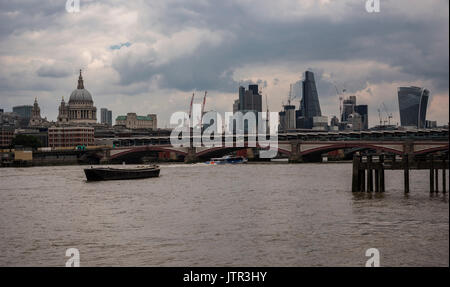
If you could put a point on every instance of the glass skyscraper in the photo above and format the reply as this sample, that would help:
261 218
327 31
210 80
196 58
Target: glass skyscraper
413 103
106 116
362 110
310 105
23 111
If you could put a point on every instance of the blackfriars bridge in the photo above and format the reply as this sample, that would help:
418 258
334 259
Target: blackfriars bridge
295 146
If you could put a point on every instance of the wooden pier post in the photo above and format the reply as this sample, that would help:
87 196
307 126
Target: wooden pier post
405 172
377 180
355 175
369 174
444 178
362 176
363 180
436 174
381 159
431 175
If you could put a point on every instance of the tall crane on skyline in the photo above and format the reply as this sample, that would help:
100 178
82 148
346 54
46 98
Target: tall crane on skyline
203 108
190 106
389 115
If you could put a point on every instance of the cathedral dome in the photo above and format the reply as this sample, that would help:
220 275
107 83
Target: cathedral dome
80 94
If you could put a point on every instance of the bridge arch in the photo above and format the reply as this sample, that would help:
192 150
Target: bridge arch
149 148
443 148
334 146
220 151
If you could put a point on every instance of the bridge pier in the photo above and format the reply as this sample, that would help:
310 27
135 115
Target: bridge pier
191 156
105 156
295 156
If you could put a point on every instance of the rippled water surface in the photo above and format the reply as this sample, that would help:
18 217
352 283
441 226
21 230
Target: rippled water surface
240 215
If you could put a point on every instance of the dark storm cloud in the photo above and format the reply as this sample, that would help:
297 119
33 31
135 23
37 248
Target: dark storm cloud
406 44
23 15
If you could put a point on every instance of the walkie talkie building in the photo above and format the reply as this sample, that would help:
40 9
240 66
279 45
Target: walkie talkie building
413 103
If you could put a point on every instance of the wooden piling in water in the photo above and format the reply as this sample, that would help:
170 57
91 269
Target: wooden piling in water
444 179
376 171
369 174
362 180
436 174
431 176
377 180
362 176
355 174
406 172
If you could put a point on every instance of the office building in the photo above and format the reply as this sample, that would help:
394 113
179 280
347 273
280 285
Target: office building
362 110
106 116
133 121
70 136
310 105
236 106
23 111
413 103
348 107
354 122
249 100
320 123
287 118
430 124
352 113
9 119
6 136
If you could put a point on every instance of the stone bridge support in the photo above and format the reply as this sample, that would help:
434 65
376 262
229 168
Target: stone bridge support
106 155
295 156
408 147
191 156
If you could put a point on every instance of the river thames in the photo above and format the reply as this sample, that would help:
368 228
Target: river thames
230 215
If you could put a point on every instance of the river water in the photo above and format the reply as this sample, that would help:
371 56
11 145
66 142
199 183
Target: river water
200 215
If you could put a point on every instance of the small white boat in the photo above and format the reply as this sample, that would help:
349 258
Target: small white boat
227 160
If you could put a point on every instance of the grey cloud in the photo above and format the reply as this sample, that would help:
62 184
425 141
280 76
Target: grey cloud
411 48
53 71
297 41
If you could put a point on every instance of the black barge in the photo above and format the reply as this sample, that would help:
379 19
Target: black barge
107 173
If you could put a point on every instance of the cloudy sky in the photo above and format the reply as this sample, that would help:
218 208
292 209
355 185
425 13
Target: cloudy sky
149 56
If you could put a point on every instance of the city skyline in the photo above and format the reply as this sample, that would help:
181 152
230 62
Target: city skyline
155 68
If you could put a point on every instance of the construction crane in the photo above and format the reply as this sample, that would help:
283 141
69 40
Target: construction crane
291 95
389 115
190 106
203 108
379 116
